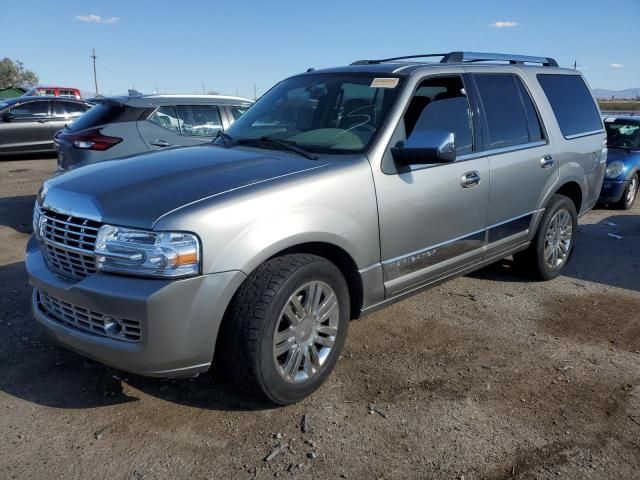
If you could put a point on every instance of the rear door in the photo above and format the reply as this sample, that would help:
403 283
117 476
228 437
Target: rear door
161 129
64 112
522 162
28 128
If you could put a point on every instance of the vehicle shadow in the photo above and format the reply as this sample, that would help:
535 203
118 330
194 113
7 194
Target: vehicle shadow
36 369
16 212
606 253
9 157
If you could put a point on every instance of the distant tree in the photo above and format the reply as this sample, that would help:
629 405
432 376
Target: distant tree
13 74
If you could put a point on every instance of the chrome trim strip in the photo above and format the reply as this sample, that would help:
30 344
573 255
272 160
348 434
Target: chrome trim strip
62 246
532 212
585 134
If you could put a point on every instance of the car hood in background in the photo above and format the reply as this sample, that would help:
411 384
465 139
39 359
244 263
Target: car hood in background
136 191
614 154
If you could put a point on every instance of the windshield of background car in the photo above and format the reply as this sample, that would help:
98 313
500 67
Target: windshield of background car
327 113
621 134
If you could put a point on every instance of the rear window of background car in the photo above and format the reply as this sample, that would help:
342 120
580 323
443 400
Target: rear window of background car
572 104
98 115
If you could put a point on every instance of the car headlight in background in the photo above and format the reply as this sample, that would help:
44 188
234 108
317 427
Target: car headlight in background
614 169
146 253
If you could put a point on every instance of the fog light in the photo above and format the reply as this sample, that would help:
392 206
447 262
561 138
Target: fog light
112 326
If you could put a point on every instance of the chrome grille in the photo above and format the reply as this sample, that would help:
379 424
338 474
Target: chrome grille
68 243
90 321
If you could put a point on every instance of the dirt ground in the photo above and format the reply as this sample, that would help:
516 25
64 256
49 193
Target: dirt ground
488 376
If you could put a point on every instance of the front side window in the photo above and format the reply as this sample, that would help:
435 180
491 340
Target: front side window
321 112
623 134
504 110
572 104
31 110
441 103
199 120
166 117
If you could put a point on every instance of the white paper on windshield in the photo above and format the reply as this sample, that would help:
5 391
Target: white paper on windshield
384 83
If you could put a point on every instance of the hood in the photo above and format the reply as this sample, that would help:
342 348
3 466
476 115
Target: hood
614 154
136 191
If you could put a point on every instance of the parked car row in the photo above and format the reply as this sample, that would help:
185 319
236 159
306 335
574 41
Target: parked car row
339 192
113 128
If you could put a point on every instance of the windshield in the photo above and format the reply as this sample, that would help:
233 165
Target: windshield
329 113
621 134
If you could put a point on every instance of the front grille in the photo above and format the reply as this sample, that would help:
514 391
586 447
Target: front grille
90 321
68 243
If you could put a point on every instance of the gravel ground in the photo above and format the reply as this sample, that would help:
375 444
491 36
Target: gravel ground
488 376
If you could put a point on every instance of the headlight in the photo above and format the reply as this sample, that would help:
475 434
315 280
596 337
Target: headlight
145 253
614 169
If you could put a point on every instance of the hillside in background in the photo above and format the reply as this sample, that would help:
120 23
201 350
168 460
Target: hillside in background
604 94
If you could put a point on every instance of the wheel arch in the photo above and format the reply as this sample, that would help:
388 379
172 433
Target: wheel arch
572 190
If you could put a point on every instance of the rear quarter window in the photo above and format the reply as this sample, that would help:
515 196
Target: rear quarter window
572 104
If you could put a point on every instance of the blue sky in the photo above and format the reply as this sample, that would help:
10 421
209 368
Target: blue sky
230 46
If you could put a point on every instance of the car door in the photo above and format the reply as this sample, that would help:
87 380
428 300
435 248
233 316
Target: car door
64 113
522 162
198 123
25 127
433 217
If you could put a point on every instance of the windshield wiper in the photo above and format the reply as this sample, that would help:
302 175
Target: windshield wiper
284 145
227 141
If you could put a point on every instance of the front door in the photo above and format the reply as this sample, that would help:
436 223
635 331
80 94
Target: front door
433 217
27 128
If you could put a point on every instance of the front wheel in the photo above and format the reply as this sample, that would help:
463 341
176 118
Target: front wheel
553 243
286 327
629 194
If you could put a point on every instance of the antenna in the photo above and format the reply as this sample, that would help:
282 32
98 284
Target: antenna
95 77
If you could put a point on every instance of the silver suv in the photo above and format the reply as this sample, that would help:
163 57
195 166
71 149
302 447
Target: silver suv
339 192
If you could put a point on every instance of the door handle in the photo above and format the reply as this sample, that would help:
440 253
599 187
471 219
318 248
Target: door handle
160 143
546 161
470 179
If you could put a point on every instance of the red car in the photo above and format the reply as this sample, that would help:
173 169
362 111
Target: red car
54 92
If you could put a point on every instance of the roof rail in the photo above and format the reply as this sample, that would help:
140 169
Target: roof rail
461 57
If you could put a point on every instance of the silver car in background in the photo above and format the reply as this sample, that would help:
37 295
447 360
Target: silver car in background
339 192
122 126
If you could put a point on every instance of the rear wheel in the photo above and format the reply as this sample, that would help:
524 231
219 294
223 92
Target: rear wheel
630 193
552 245
286 327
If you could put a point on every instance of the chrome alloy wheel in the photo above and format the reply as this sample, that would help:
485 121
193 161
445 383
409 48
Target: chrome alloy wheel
558 239
632 190
306 332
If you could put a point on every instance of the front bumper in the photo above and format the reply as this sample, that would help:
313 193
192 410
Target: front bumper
179 319
612 191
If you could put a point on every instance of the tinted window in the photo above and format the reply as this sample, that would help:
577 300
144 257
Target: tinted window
67 93
623 134
533 121
503 109
97 115
572 103
68 109
31 110
441 104
238 111
166 117
199 120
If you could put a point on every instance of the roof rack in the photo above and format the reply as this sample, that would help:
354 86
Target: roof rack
463 57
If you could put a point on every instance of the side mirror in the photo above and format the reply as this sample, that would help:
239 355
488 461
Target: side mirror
426 147
7 117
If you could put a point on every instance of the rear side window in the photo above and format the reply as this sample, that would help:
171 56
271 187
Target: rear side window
68 109
507 106
67 93
99 115
166 117
572 104
199 120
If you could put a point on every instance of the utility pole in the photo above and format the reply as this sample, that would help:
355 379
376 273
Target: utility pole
203 87
95 76
575 64
255 92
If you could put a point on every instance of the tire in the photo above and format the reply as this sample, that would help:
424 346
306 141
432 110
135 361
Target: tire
536 260
630 193
274 299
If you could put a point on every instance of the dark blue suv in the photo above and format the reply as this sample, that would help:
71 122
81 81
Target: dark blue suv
622 177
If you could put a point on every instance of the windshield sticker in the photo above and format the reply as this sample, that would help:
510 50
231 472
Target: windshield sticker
384 83
610 119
